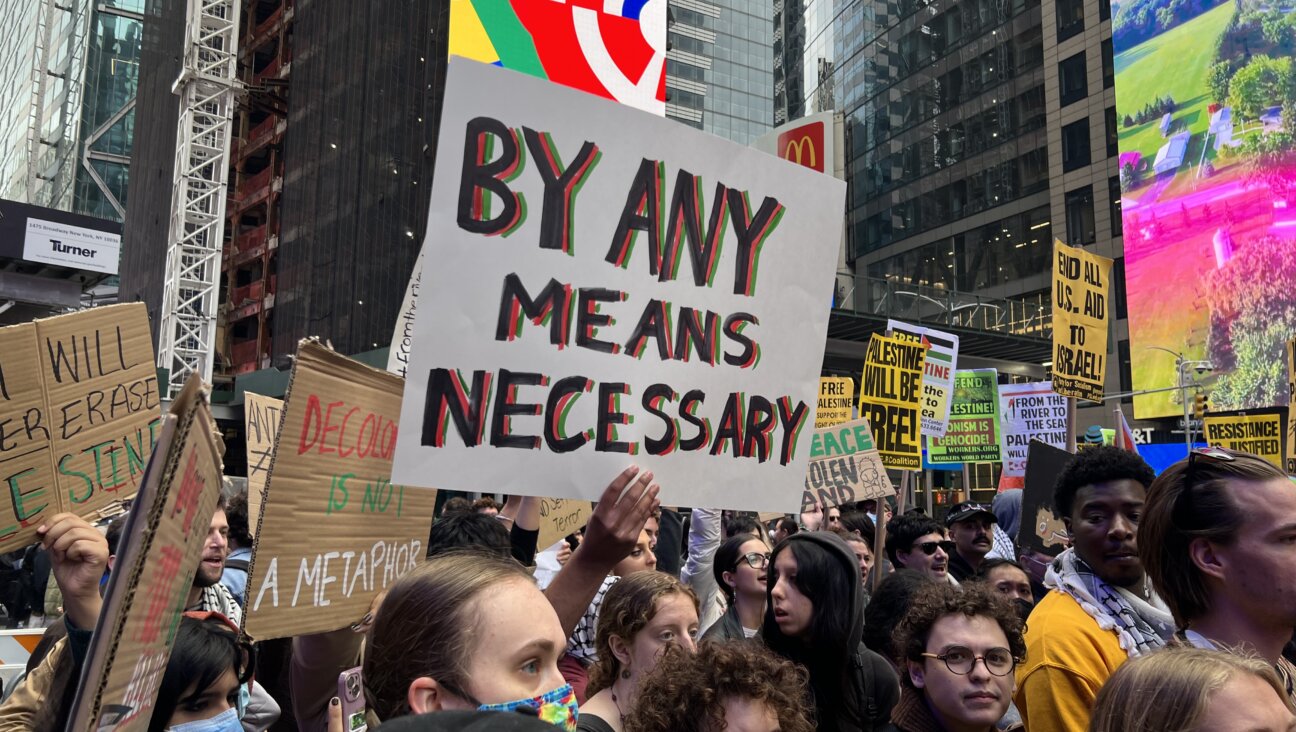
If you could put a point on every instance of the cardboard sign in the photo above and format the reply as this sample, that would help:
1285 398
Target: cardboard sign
79 413
1081 281
1261 432
836 400
844 466
938 373
335 530
1291 407
889 393
261 418
1029 412
612 287
974 433
1041 530
159 553
560 517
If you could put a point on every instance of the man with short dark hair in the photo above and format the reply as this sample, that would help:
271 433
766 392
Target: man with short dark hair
971 526
919 543
1219 544
235 575
1101 609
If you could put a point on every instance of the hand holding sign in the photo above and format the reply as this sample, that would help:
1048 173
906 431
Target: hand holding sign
78 557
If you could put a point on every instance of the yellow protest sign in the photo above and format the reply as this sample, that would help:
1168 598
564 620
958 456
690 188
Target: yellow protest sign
1257 431
1081 282
836 397
334 530
79 413
261 417
844 466
889 393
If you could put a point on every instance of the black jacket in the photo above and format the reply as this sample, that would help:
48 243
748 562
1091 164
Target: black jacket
727 628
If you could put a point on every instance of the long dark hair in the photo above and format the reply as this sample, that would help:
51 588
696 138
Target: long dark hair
726 560
832 586
204 650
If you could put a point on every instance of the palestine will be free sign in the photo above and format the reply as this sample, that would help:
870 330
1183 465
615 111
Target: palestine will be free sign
1081 281
889 393
611 287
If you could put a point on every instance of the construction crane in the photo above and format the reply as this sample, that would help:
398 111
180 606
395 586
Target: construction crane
208 86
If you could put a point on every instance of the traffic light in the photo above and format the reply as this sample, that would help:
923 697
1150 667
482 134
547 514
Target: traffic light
1200 406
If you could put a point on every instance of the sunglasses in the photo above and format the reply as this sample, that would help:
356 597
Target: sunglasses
1203 455
755 560
929 547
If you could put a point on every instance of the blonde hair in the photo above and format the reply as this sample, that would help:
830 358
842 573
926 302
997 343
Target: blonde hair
1171 689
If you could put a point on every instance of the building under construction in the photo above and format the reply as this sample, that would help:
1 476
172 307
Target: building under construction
330 169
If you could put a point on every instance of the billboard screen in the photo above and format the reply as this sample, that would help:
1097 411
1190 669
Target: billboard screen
614 48
1206 112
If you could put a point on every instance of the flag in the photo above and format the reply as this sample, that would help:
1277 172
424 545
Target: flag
1124 435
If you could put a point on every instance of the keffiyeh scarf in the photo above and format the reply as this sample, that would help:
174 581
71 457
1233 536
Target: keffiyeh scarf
1142 625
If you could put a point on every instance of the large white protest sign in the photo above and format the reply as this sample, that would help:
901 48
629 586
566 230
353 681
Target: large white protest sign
609 287
1029 412
938 373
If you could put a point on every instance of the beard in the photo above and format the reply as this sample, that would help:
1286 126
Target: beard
207 576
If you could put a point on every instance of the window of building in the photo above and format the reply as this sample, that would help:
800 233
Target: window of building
1080 217
1109 64
1123 355
1104 9
1071 78
1075 145
1114 191
1118 290
1070 18
1113 133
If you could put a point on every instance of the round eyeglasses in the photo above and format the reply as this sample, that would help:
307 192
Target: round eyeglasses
961 661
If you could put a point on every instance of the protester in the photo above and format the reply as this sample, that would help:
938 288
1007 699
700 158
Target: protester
457 504
235 574
1009 579
740 567
1193 690
859 524
487 506
959 646
204 677
466 630
1007 511
832 518
814 616
1218 539
740 687
889 606
971 526
1101 609
919 543
642 615
863 555
787 526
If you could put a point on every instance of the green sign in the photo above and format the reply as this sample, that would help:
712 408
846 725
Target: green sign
974 433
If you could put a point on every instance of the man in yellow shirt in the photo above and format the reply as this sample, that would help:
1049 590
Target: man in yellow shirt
1101 609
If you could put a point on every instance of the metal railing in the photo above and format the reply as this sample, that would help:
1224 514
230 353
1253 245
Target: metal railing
937 306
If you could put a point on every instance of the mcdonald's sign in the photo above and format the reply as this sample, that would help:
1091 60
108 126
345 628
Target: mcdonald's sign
804 145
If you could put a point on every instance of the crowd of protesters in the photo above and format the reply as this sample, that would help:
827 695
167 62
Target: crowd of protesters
1173 607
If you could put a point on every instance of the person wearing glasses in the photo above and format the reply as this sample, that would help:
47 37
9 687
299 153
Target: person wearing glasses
740 565
919 543
814 616
1219 544
958 647
971 526
1100 610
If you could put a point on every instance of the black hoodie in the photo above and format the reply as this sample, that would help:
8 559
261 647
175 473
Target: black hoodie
870 684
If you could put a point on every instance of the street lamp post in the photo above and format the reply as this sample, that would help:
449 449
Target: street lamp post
1181 368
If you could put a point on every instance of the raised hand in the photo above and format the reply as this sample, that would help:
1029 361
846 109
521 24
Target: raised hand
619 517
78 558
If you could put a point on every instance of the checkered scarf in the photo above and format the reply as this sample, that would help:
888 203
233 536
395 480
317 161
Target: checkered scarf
1142 625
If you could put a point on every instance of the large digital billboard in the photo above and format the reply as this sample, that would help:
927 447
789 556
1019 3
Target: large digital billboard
1206 111
613 48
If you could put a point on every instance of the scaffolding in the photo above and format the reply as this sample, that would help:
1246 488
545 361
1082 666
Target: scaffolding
207 86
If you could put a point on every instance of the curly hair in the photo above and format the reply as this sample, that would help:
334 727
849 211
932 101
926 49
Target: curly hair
696 687
629 605
938 600
1094 465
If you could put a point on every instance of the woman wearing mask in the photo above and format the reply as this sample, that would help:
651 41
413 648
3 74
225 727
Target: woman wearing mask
1008 578
642 615
740 566
959 647
467 631
814 617
202 689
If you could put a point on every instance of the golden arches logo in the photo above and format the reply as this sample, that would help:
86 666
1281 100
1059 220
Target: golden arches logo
796 149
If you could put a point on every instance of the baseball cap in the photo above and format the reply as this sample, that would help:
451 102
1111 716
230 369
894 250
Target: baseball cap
966 510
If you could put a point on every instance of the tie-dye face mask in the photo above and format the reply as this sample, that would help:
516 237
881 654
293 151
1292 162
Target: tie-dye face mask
557 707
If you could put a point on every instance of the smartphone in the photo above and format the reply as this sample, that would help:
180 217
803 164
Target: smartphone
351 694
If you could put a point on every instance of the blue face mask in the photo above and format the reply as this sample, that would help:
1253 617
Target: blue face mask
226 721
558 707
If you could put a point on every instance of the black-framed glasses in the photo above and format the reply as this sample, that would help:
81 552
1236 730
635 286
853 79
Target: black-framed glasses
1184 501
960 660
929 547
756 560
